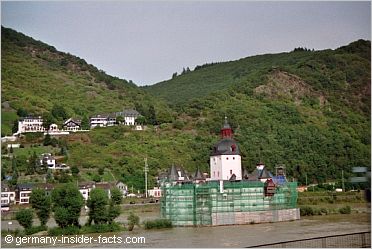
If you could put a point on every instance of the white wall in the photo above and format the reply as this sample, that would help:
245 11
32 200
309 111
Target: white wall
224 166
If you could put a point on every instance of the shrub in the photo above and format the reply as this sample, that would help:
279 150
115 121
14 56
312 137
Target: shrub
101 228
24 218
132 221
158 223
306 211
345 210
36 229
69 230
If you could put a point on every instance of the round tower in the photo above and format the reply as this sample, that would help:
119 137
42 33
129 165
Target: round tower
225 160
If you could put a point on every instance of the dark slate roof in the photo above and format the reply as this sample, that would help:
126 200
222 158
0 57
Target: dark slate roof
198 175
128 113
224 147
173 173
24 186
75 121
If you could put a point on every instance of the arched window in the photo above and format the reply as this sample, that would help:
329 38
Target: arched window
233 147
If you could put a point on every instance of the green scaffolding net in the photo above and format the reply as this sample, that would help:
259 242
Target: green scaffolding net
206 204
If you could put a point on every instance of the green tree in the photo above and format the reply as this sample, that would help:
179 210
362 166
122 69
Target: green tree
42 205
119 119
67 203
24 217
97 203
141 120
152 116
75 170
116 196
48 119
113 212
22 112
59 112
47 140
32 164
101 171
15 126
85 123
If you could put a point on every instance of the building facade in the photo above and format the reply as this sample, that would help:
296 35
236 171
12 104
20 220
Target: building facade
30 124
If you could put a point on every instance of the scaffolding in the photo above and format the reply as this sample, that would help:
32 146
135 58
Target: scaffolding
236 203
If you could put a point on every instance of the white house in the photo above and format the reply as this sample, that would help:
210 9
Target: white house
72 125
85 189
122 187
23 192
30 124
155 192
53 128
130 116
49 160
102 120
225 160
7 197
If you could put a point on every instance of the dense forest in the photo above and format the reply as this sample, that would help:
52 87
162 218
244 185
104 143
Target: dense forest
308 110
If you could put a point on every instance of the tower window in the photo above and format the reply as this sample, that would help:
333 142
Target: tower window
218 174
227 158
233 158
230 171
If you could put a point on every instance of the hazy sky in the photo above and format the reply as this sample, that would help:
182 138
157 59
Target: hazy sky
148 41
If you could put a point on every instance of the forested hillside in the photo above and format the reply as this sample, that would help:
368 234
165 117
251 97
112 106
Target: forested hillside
36 77
308 110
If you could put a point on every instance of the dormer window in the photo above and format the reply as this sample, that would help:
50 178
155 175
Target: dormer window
233 148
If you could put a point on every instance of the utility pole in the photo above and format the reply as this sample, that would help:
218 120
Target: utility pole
146 170
306 179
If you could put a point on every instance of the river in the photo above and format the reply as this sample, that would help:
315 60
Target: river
242 235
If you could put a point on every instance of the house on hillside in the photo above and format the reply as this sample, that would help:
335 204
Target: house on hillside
23 192
85 189
72 125
47 160
30 124
7 196
122 187
155 192
102 120
129 116
106 187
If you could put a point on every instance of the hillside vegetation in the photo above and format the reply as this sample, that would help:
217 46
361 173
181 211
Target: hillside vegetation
308 110
35 77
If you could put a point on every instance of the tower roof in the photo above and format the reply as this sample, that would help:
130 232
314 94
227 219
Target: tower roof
198 175
226 146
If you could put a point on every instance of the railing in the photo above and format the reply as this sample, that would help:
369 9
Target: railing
356 240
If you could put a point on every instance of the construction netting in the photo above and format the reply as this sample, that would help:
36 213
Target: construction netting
207 204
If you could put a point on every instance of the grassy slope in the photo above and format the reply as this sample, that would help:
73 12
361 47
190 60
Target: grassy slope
35 76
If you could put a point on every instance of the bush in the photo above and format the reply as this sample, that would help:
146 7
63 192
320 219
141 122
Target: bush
306 211
101 228
345 210
24 218
158 223
70 230
132 221
36 229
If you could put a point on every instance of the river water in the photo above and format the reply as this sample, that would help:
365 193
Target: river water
238 236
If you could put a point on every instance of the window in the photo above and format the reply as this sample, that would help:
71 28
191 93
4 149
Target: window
218 174
230 171
227 158
233 158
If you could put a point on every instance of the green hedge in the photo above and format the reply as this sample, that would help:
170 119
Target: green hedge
158 223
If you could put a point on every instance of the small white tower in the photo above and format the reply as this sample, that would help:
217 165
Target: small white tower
225 160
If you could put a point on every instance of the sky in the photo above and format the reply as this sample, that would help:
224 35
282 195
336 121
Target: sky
147 41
